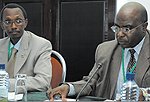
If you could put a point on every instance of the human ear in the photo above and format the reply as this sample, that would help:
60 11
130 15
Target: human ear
145 27
2 26
26 22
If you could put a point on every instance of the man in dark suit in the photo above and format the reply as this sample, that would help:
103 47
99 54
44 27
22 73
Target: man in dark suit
130 27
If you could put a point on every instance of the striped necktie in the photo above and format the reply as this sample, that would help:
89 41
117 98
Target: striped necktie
131 62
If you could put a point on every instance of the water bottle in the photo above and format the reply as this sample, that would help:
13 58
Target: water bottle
4 83
130 90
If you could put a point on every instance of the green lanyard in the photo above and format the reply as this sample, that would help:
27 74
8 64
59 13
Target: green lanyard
123 66
9 53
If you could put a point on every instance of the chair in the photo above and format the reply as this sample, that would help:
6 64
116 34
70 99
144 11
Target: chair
58 69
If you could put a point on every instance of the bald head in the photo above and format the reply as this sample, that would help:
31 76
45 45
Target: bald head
132 18
133 10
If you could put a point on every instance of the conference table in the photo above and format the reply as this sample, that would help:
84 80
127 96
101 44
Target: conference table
41 96
36 96
32 96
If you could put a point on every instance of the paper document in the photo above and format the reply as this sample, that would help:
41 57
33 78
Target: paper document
11 96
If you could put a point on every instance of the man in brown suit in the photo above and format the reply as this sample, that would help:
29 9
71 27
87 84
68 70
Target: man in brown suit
130 27
33 52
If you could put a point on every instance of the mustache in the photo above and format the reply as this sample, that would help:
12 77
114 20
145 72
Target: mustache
14 32
121 39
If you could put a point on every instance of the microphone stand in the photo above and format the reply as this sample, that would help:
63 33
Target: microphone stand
98 67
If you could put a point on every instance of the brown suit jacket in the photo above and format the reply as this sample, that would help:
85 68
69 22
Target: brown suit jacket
35 63
104 82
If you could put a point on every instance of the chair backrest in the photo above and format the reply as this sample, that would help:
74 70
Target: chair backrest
58 69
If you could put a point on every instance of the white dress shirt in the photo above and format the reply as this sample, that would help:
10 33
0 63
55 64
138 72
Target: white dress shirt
127 55
17 45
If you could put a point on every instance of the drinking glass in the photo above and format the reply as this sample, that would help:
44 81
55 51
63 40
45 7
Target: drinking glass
21 85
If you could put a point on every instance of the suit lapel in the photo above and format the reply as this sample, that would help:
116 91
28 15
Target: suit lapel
111 64
143 61
22 53
4 52
114 68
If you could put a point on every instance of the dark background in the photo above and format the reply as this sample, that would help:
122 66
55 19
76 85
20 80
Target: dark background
81 31
74 27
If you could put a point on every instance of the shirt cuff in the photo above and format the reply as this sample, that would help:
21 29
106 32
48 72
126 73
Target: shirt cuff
72 90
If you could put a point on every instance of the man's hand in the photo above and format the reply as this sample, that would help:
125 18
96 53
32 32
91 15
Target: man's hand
141 96
62 90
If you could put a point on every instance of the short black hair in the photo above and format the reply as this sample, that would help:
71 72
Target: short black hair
13 5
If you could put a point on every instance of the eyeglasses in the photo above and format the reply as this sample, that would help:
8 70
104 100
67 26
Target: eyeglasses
116 29
17 22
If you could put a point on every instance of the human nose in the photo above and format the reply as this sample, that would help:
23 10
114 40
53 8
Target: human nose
13 25
120 33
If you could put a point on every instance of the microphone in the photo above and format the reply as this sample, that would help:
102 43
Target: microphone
98 67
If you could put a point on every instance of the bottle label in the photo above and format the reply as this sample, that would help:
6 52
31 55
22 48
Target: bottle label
3 95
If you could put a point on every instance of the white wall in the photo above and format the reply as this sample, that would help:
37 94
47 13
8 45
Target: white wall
145 3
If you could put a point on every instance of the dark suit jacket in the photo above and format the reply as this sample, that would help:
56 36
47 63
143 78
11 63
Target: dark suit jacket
104 82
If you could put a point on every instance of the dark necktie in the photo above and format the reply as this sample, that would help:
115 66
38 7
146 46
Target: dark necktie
10 65
131 62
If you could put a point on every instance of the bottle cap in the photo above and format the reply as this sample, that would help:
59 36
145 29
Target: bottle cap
130 76
2 66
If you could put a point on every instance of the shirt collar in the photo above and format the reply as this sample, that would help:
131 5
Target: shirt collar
17 44
137 48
